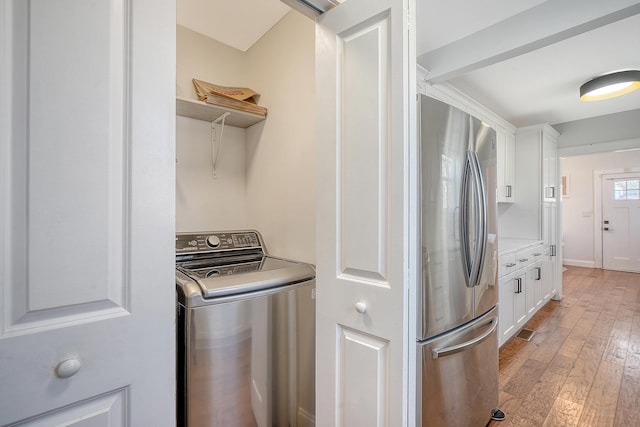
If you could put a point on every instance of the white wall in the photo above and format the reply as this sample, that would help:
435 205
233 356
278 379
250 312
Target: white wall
599 134
281 150
578 208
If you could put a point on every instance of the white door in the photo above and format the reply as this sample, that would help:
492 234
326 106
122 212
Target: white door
365 71
87 112
621 222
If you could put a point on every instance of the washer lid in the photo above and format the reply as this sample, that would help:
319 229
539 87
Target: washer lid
231 279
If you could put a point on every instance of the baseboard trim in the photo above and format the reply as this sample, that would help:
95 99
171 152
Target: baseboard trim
578 263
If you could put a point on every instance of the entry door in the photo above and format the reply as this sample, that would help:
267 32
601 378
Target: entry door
87 111
365 104
621 222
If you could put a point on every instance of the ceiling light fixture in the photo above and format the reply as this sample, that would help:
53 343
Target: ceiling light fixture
610 85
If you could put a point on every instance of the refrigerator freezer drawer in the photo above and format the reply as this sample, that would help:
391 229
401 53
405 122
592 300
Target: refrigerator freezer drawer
459 371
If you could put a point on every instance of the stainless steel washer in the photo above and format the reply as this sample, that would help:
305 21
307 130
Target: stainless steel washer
245 335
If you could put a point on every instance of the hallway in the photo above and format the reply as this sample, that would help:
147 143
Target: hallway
582 365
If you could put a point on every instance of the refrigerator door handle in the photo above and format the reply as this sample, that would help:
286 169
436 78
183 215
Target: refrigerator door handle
481 220
464 221
492 323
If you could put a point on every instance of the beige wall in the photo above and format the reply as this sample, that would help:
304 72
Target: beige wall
206 59
281 150
202 202
271 187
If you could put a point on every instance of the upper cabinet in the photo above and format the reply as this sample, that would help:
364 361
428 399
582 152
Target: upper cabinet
537 165
550 186
536 174
506 151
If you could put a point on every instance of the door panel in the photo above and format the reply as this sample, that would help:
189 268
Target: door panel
621 222
363 374
103 411
69 177
87 205
364 107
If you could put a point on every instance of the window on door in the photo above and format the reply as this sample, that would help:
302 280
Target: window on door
627 189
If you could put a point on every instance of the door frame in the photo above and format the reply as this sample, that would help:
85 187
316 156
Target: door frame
597 211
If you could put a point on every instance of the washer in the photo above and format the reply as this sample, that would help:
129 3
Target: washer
245 333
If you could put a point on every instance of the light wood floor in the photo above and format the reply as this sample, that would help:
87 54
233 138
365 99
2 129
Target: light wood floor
582 366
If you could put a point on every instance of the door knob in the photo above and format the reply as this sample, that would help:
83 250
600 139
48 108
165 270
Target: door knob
68 368
361 307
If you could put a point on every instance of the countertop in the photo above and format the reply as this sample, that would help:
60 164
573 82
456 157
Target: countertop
508 244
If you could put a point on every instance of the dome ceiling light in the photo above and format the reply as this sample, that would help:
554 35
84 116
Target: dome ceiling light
610 85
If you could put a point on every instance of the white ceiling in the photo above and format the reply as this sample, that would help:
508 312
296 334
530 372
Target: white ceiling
237 23
533 87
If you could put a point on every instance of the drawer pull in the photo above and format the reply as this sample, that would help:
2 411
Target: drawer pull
523 259
510 264
537 254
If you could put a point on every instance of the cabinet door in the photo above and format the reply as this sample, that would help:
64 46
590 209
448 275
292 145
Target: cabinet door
519 299
530 291
501 157
549 168
534 280
550 241
508 291
510 166
505 143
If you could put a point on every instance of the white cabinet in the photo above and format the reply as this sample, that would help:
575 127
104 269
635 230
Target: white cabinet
513 311
506 306
550 237
506 152
550 183
535 215
534 280
522 287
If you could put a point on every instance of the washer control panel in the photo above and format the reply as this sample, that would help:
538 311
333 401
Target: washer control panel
217 241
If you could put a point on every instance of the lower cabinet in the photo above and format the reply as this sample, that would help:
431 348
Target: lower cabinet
513 304
522 292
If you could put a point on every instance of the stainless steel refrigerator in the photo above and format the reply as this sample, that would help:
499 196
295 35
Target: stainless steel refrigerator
458 294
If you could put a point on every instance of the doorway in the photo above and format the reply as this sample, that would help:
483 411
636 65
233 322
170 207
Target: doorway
620 206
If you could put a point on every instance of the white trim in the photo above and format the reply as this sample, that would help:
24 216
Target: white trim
453 96
597 210
598 147
579 263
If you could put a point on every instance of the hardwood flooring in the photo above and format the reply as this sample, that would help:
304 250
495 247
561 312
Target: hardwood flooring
582 366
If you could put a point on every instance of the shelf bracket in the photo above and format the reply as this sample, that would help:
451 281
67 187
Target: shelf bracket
216 142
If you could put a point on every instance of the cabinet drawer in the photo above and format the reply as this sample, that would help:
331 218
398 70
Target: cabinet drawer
507 264
536 253
526 257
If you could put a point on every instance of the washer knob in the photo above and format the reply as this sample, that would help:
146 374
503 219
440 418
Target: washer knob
213 241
